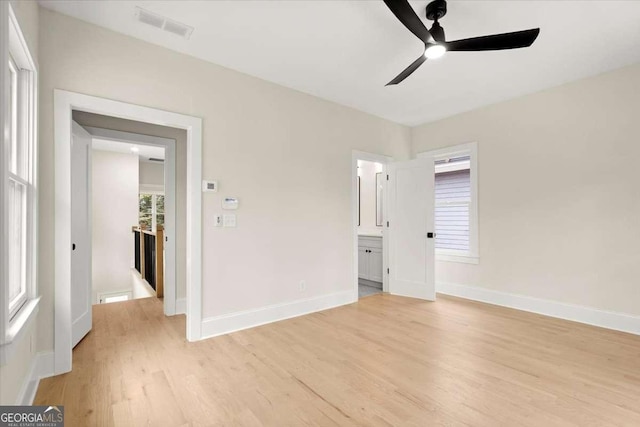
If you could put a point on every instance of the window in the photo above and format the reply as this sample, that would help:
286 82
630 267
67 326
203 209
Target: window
456 215
17 203
453 197
21 188
18 176
151 210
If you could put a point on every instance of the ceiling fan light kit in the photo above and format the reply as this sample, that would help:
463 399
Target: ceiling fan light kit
435 51
435 44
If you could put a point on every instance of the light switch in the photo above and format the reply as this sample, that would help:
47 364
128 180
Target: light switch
229 220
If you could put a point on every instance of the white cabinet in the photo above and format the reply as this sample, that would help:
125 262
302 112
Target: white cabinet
370 258
375 265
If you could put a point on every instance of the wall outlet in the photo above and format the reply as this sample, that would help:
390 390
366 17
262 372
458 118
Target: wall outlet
303 286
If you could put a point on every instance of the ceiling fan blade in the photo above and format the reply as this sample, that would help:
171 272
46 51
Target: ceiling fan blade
407 72
495 42
405 13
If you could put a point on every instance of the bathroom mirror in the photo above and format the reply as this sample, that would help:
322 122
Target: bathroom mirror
379 184
358 201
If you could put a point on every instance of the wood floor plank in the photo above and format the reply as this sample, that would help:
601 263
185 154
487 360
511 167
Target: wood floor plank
384 361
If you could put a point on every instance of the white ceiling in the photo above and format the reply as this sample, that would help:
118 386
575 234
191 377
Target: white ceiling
144 153
346 51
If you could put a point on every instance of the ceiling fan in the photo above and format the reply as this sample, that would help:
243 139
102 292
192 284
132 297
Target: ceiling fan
434 42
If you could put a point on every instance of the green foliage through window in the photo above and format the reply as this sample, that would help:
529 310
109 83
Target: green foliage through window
151 211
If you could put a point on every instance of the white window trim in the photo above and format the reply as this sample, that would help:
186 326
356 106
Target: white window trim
471 149
12 42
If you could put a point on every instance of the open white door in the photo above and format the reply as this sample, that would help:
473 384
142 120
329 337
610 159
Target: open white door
411 229
80 233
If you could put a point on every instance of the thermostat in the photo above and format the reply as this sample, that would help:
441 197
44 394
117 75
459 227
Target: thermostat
210 186
230 203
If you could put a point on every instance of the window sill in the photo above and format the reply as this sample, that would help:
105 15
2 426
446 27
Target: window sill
466 259
17 326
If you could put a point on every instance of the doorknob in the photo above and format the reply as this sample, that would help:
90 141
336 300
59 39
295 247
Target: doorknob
73 246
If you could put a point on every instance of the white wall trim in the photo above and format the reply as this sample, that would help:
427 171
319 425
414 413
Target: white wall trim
41 367
151 188
590 316
181 306
227 323
64 103
369 157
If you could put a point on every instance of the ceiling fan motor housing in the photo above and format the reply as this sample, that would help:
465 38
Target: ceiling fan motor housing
437 32
436 10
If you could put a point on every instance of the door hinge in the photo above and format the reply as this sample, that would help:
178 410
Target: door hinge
387 177
387 223
387 271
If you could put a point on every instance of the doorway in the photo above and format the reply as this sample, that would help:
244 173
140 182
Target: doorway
407 235
137 173
369 219
371 177
66 102
123 215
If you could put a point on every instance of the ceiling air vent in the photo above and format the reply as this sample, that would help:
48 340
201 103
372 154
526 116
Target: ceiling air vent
149 18
177 28
163 23
153 159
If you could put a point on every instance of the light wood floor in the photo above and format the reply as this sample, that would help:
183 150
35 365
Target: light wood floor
385 361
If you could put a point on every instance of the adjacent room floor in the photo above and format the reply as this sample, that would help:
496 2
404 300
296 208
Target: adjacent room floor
385 360
366 290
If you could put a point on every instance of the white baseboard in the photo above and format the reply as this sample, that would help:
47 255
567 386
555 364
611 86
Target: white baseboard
220 325
181 306
591 316
42 366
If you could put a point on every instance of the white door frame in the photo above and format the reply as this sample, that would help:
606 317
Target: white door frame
64 103
169 144
369 157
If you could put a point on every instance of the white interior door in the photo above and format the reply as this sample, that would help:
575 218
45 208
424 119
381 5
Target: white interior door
80 233
411 229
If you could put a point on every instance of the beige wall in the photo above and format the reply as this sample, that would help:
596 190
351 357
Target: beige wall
180 136
284 154
559 192
27 13
151 175
15 372
114 184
